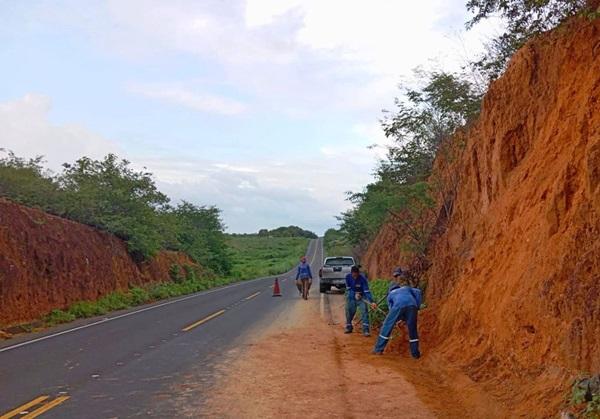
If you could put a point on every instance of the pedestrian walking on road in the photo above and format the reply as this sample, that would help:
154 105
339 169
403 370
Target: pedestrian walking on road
357 295
403 302
304 275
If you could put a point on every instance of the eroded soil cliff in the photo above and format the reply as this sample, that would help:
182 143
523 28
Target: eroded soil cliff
514 288
48 262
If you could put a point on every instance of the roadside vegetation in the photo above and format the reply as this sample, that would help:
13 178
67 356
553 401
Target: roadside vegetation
110 195
584 401
378 288
426 126
183 280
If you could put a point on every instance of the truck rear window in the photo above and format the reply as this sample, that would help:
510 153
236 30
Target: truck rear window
339 262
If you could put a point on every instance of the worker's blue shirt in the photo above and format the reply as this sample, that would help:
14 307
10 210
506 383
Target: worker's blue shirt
399 297
303 271
359 285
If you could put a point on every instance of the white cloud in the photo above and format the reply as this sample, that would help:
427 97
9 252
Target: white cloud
178 95
298 57
26 129
339 59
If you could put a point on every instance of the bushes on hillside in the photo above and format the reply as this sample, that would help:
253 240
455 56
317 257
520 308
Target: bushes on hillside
110 195
424 126
419 127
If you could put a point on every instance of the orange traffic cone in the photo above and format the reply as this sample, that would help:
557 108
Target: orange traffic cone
276 290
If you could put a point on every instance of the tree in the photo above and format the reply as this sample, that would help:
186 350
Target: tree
27 182
110 195
524 19
423 119
200 233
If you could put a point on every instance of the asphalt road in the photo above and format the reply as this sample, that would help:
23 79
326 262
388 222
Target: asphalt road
124 365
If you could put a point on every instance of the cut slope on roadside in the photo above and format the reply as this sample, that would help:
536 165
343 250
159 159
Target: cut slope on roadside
514 282
48 262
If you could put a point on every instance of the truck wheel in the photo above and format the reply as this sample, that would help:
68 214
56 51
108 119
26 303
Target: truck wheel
323 288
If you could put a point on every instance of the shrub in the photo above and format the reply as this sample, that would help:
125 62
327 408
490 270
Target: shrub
58 317
138 296
114 301
84 309
379 288
108 194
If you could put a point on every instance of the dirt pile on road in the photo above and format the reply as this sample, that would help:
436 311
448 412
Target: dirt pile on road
47 262
514 288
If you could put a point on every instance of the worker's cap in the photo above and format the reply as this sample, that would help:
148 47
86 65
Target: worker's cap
398 272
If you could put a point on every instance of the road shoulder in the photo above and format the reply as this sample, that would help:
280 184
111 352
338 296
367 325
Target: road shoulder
302 365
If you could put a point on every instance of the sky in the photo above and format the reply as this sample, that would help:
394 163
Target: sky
264 108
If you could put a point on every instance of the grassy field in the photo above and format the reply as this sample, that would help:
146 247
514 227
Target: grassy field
255 256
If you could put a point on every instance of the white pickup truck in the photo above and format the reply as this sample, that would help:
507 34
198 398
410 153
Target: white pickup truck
334 271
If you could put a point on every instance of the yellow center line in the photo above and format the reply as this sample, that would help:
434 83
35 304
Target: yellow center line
22 408
252 296
204 320
46 407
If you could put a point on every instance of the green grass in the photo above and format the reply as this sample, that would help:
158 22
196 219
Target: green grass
254 256
584 408
135 296
379 288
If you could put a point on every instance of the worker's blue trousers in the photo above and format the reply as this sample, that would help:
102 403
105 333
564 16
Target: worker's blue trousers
351 306
407 314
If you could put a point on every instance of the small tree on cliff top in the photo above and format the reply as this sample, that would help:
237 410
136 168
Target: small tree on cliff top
423 119
524 19
110 195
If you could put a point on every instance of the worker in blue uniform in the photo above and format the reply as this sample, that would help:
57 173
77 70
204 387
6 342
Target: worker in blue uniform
403 302
357 295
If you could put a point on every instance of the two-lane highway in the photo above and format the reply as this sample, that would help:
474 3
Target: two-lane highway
124 365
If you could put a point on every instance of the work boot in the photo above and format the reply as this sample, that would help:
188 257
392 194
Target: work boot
348 329
374 352
414 349
366 334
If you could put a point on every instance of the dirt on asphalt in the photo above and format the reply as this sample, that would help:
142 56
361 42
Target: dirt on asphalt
303 365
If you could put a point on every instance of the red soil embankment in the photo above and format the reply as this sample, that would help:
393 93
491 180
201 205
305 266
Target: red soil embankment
514 288
48 262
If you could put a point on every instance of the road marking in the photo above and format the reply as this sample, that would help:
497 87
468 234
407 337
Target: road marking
18 410
204 320
251 296
46 407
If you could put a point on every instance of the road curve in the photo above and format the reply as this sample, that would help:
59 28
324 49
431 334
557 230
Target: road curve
124 365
